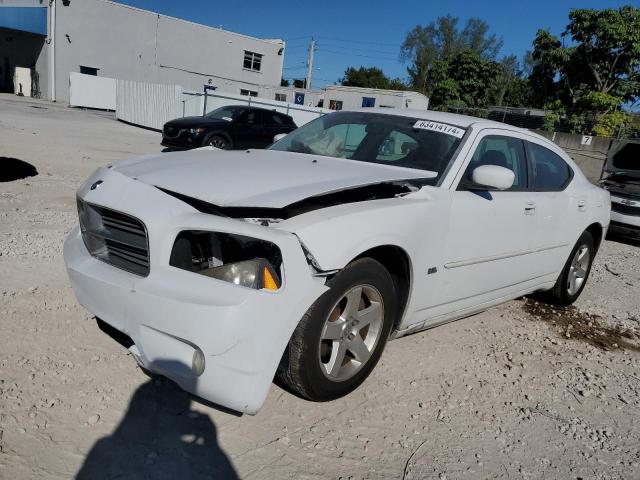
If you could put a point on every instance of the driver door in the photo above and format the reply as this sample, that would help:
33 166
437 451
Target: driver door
491 233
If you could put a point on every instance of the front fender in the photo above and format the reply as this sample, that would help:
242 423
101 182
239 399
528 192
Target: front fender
337 235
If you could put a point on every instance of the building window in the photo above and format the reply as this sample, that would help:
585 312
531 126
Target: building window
248 93
368 102
281 97
252 61
335 104
89 70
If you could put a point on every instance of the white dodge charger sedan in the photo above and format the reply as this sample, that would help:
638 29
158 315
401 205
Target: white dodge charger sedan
223 269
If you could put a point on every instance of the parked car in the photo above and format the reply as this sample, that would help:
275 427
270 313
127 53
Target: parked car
621 176
227 128
225 268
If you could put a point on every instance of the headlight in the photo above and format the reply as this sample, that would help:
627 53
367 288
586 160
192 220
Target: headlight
245 261
196 131
257 273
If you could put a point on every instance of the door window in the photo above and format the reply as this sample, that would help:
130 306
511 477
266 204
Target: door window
275 119
507 152
550 171
250 117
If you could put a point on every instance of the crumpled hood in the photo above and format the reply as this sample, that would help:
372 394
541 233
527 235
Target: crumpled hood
622 183
257 178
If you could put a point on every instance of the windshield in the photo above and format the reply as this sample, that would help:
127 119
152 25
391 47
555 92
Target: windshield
226 113
377 138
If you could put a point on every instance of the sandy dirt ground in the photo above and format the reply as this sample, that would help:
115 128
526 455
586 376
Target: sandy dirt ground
520 391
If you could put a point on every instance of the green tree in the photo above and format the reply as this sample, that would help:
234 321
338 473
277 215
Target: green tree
441 40
372 77
284 82
599 70
465 79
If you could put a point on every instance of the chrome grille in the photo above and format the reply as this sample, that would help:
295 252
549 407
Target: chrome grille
115 238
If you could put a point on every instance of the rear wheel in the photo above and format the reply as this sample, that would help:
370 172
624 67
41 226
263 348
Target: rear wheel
217 141
341 337
574 275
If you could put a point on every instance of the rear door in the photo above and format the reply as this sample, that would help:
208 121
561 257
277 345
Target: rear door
488 245
554 209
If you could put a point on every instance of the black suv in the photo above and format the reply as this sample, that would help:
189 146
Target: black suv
233 127
621 176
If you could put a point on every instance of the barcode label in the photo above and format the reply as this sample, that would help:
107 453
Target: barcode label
439 127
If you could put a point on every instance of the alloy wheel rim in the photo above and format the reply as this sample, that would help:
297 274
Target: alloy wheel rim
218 143
578 270
351 332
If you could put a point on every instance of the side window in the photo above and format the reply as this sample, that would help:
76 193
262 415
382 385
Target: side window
249 117
550 171
275 119
507 152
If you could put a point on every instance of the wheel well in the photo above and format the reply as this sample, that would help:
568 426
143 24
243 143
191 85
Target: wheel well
595 229
216 133
396 261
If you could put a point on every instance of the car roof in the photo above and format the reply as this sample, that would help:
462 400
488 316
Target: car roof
463 121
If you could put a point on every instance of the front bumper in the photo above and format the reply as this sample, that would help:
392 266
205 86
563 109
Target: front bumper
624 224
183 141
171 313
624 229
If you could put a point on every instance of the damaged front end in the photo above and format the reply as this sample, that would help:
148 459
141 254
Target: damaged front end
265 216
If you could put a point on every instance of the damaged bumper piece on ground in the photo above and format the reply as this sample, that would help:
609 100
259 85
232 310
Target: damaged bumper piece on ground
220 341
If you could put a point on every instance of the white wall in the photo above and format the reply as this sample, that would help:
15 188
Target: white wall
147 104
351 98
92 92
133 44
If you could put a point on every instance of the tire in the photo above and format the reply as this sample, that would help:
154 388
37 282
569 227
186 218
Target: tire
564 292
217 141
310 366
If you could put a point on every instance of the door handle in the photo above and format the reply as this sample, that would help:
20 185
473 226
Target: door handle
530 208
582 205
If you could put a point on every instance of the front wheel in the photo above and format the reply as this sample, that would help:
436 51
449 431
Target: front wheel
573 277
341 337
217 141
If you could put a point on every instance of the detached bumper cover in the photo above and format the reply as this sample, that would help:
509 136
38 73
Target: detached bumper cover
171 313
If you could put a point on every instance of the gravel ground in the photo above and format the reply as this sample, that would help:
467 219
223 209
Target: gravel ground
520 391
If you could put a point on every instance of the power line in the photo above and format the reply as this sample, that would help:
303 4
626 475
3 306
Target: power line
358 55
306 37
360 41
359 49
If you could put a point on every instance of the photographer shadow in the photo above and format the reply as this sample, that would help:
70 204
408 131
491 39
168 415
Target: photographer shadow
159 437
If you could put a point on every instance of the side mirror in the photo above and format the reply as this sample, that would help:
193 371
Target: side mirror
279 137
493 176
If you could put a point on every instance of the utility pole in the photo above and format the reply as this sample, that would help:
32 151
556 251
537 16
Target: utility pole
312 50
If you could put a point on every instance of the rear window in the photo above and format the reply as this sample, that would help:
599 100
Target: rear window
550 171
628 157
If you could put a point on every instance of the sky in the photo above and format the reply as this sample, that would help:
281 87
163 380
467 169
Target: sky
368 33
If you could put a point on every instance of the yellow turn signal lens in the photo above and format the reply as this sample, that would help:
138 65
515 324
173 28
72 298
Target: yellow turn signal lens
269 283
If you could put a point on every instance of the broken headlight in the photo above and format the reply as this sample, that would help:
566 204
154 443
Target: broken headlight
244 261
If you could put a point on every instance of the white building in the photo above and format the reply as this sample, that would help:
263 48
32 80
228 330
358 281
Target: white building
108 39
338 97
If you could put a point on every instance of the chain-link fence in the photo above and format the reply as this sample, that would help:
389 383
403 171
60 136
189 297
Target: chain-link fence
621 125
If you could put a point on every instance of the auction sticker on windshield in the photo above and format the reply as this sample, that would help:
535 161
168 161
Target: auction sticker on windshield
439 127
